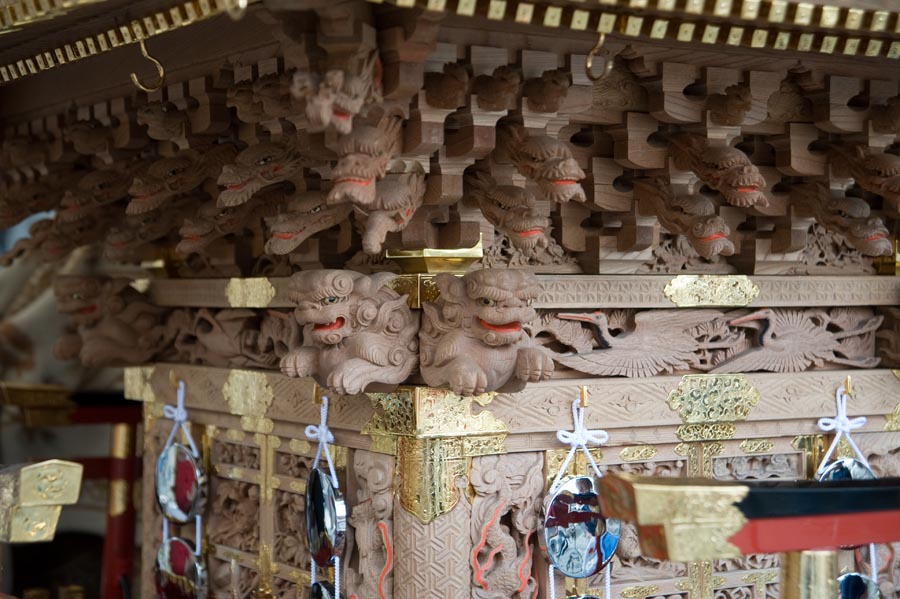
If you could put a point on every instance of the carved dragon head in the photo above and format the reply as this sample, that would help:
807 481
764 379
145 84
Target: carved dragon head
306 215
164 121
490 304
331 304
730 172
258 166
512 210
89 137
274 93
340 95
870 236
87 299
240 96
170 177
365 155
549 162
709 237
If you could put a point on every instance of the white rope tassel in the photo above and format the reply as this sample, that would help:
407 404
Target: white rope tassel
178 414
844 426
579 438
322 435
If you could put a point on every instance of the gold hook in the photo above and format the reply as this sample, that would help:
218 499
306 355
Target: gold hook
584 394
589 61
159 69
847 388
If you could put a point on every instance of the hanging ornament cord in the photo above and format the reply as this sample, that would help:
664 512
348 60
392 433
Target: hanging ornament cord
178 414
322 434
576 439
842 425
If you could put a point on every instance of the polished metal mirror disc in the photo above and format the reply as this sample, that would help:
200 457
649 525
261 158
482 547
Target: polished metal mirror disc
179 573
846 469
322 590
180 484
580 541
326 518
853 585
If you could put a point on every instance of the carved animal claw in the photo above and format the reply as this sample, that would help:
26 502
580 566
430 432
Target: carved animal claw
466 378
298 363
533 365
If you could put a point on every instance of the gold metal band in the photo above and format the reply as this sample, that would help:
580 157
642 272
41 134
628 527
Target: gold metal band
180 15
770 24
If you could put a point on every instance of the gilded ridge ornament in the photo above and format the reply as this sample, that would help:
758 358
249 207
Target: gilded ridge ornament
713 398
756 445
249 396
640 591
638 453
255 292
691 291
137 383
433 433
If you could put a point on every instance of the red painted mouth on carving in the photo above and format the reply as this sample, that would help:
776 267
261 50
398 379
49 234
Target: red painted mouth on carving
340 114
713 237
531 232
192 237
331 326
875 237
564 181
747 188
353 181
238 186
88 310
287 235
509 327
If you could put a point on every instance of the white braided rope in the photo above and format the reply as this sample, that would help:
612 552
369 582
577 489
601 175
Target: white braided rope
578 438
178 415
323 436
843 426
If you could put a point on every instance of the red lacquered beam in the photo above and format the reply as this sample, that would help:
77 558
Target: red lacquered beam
118 546
776 535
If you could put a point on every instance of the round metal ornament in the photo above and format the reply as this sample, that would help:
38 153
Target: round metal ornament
580 541
326 518
180 484
846 469
180 573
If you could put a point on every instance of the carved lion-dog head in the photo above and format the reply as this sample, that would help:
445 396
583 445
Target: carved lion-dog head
490 304
333 304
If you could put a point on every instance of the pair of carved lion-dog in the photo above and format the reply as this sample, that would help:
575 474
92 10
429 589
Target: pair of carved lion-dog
357 332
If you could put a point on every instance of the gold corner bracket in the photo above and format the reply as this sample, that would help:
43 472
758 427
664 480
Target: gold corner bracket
33 498
693 291
433 433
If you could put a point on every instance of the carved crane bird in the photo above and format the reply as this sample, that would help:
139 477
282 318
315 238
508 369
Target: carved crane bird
661 341
794 340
